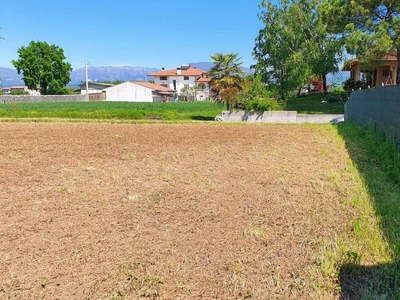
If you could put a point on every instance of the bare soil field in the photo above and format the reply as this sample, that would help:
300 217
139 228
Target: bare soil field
122 211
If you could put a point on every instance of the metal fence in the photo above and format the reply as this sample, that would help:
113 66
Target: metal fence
378 108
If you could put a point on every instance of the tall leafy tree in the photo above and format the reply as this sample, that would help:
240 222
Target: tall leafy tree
226 77
371 27
294 44
43 67
277 49
324 50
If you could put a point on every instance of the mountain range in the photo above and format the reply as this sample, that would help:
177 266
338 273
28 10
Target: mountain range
10 77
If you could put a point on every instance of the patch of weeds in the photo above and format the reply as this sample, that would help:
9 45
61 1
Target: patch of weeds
146 286
156 197
255 231
133 197
297 283
236 280
140 282
43 283
14 155
165 177
118 296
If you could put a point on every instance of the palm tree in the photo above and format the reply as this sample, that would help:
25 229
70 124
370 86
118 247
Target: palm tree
226 77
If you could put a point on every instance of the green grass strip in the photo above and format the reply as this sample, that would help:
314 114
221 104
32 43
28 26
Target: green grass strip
205 111
372 269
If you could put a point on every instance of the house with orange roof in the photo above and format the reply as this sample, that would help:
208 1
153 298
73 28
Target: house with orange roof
379 73
139 91
182 78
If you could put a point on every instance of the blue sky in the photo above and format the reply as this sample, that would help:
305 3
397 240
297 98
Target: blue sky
150 33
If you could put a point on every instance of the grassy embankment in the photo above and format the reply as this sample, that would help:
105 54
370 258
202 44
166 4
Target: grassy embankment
316 103
181 111
113 110
371 268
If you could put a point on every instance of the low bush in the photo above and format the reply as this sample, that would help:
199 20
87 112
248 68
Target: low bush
262 104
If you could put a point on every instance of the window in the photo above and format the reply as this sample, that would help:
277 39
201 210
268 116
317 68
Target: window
185 77
163 77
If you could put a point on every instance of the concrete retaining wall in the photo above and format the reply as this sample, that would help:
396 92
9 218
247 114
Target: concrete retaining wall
379 108
275 117
42 98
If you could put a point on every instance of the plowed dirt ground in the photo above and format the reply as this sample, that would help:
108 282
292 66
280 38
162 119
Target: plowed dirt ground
122 211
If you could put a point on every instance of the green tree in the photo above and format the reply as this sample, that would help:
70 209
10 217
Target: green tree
226 77
115 82
324 50
294 45
257 96
371 27
277 55
43 68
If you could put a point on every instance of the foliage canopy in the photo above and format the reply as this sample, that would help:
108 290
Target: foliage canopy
371 28
43 68
294 45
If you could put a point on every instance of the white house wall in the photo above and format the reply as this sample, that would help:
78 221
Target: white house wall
180 82
130 92
91 91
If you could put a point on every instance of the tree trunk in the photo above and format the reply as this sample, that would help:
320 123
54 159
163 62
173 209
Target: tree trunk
324 87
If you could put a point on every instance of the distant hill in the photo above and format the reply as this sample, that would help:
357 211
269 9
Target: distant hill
109 73
10 77
206 66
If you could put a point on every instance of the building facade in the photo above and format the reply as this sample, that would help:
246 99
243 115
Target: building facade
139 91
378 73
183 78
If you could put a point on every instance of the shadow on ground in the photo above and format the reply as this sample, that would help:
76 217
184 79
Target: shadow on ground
378 281
202 118
370 282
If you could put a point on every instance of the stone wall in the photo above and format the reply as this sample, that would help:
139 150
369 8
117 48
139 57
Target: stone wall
275 117
378 108
41 98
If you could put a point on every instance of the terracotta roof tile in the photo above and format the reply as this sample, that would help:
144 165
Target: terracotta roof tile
391 56
203 79
152 86
351 63
191 71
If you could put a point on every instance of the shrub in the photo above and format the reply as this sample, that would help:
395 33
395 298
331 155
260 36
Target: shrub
351 85
262 104
337 95
317 85
18 92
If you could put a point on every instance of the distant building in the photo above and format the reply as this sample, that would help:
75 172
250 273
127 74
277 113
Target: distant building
182 78
380 73
139 91
22 88
94 87
6 90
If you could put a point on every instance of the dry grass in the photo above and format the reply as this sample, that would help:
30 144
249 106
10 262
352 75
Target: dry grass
122 211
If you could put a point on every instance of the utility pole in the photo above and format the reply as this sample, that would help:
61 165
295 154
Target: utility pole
87 81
